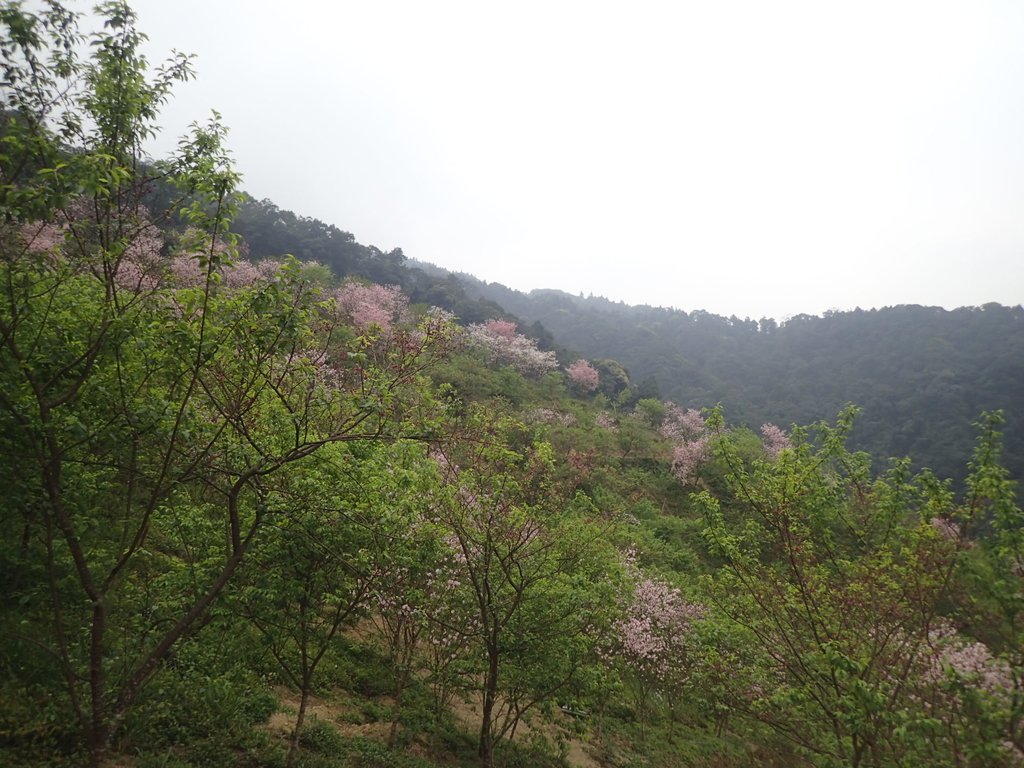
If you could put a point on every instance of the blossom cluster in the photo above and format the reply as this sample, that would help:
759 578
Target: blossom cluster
369 306
688 455
686 428
654 634
774 440
187 271
968 660
678 424
583 375
140 266
503 346
43 237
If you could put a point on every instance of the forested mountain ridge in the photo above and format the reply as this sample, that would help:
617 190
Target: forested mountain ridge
921 375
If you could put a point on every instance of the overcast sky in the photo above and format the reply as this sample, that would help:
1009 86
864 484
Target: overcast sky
749 158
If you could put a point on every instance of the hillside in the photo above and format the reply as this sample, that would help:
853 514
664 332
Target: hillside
922 375
276 499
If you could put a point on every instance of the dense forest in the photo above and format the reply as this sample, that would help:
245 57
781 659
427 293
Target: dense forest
920 374
276 498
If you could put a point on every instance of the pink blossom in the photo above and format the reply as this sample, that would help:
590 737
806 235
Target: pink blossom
519 352
268 268
583 375
775 441
42 237
654 634
687 456
186 270
370 306
241 274
141 267
328 374
504 328
968 660
681 425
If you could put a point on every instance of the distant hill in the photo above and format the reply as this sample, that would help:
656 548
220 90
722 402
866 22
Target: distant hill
922 375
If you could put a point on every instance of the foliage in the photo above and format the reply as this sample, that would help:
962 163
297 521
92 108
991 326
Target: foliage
839 581
921 374
149 424
521 579
223 474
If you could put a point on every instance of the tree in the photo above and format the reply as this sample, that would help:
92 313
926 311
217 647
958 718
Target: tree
654 640
839 581
311 570
141 414
583 376
530 612
689 434
503 346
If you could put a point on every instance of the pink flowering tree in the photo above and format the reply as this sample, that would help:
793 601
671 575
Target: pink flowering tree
654 639
373 306
506 329
583 376
678 424
501 345
775 440
691 438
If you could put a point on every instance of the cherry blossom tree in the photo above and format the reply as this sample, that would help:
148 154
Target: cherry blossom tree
775 440
373 306
654 638
583 375
504 328
501 345
686 428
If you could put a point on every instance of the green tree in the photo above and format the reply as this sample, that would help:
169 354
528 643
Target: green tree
311 569
839 581
147 403
526 565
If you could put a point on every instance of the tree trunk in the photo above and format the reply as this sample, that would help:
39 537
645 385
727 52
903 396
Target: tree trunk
293 747
486 748
399 690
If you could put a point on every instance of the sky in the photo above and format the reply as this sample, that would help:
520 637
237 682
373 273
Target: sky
748 158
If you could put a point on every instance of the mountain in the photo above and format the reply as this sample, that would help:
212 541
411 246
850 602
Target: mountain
921 375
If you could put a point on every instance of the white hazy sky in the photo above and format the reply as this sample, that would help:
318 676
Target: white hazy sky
750 158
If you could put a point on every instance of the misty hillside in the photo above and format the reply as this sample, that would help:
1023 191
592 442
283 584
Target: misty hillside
922 375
